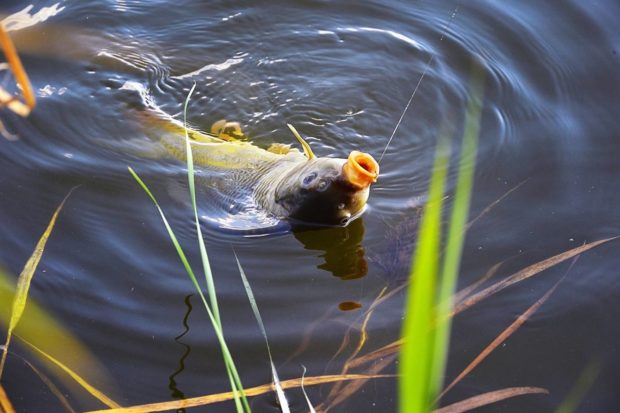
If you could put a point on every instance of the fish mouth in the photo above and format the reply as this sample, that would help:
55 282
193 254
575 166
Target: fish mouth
360 170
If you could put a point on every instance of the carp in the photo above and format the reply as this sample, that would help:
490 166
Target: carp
288 184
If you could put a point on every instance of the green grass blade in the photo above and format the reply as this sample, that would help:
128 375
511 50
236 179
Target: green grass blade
234 378
24 280
173 237
230 366
416 353
192 192
425 342
276 380
457 225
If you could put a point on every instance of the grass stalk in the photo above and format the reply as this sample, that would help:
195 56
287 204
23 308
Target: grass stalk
250 392
303 390
233 376
489 398
417 350
425 342
274 374
456 228
231 369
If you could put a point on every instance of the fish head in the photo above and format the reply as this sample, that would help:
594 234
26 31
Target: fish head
327 191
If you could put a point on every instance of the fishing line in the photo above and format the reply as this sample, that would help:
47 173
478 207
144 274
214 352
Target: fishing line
417 86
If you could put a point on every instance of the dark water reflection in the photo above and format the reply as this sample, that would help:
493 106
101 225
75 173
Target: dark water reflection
341 248
342 73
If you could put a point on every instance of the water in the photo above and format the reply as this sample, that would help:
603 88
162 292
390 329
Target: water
341 73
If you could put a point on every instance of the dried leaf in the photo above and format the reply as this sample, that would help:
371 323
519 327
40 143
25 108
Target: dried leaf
492 205
348 390
5 403
489 398
254 391
526 273
460 295
503 336
476 298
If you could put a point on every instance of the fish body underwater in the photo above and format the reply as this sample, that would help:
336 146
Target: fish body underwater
286 183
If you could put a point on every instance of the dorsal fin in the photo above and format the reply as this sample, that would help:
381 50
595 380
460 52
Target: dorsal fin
307 150
228 131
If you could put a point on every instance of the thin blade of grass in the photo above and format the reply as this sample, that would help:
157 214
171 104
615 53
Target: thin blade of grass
192 190
50 385
585 381
525 274
460 295
250 392
490 398
276 380
457 227
5 403
303 390
492 205
82 382
233 376
460 307
416 357
20 76
25 278
228 360
384 351
502 337
351 388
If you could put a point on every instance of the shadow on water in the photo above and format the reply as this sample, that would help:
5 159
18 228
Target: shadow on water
341 247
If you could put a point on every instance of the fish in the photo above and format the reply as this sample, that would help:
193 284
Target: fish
289 184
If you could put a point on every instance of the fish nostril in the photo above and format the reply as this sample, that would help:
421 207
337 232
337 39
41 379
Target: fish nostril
322 186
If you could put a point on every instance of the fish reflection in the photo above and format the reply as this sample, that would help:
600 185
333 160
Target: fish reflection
343 253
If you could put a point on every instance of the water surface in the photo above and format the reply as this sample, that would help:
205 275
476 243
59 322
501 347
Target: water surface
341 72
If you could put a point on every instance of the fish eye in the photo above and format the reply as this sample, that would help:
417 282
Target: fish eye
309 178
